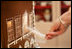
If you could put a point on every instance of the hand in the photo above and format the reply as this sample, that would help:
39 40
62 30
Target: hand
58 28
55 30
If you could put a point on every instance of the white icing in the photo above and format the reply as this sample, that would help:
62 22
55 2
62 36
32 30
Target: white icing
20 46
26 45
32 41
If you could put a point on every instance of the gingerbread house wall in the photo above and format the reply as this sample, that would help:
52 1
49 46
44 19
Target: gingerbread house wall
10 9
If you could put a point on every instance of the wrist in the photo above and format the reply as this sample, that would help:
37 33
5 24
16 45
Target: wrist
66 18
65 23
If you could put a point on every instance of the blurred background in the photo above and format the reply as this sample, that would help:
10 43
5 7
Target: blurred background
46 13
44 9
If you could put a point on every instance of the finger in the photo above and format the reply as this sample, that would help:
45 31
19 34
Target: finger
51 33
49 37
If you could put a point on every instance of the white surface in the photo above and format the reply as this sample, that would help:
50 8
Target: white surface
62 41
